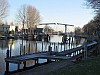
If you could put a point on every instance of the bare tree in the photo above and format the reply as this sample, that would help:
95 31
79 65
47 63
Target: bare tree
21 16
95 4
28 16
3 8
78 30
33 17
48 29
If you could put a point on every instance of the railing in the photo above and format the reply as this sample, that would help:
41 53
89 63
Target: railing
57 56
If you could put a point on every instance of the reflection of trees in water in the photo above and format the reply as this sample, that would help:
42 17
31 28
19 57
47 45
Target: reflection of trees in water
30 63
4 44
78 40
29 47
45 45
2 64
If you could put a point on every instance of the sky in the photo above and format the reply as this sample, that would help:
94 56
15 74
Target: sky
73 12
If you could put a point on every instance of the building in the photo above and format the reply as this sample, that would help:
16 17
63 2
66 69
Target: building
38 31
4 29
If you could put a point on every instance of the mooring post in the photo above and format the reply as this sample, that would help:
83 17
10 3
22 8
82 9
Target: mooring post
69 41
64 46
24 50
49 49
36 61
20 49
36 47
29 49
61 46
10 49
56 49
72 40
50 43
7 62
73 53
18 66
42 46
54 46
24 64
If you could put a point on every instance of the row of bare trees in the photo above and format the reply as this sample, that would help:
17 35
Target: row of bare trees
92 27
28 16
3 9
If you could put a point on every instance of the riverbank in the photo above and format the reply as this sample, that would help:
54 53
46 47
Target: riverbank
91 66
85 67
46 69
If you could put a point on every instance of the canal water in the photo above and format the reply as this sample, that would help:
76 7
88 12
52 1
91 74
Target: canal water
15 46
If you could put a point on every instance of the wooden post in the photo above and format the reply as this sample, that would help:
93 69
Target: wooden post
20 49
69 41
24 64
36 61
7 63
18 66
56 49
36 47
64 46
72 39
42 46
54 46
61 46
10 50
29 49
50 43
49 49
24 50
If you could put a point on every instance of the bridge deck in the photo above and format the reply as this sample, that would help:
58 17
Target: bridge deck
46 55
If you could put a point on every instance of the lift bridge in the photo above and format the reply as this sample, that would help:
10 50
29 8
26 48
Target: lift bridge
57 24
64 38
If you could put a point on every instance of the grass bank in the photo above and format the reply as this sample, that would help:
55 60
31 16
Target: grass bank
85 67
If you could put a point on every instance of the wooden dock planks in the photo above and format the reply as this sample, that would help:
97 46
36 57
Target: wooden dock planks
19 59
45 55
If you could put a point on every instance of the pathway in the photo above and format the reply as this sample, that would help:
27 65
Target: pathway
45 69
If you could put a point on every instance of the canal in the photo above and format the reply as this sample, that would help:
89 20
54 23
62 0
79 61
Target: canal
16 47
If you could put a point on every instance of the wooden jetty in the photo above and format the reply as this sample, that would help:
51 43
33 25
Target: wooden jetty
78 52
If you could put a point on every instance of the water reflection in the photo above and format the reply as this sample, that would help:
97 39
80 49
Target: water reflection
16 47
4 44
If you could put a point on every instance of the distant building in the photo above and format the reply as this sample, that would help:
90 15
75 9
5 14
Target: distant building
4 29
12 28
38 31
